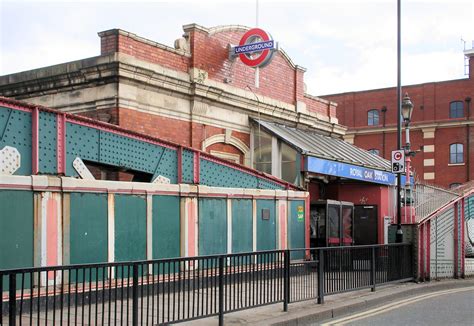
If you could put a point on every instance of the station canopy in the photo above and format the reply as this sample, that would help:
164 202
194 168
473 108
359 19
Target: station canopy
333 156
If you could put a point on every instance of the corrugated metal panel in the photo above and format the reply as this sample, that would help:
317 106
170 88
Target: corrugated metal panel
314 144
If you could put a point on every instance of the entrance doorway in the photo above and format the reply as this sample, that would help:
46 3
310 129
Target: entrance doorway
365 224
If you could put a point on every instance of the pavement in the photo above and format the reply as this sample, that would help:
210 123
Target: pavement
309 312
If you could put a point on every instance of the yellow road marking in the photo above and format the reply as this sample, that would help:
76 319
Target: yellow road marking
392 306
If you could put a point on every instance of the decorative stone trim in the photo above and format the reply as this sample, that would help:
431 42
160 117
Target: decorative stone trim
429 162
429 175
237 143
227 156
349 138
428 148
428 132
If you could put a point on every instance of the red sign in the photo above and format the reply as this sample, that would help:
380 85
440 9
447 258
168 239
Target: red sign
255 49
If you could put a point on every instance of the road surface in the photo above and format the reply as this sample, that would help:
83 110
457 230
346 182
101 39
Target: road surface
447 307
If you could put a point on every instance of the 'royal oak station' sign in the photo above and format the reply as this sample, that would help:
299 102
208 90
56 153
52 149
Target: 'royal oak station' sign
255 49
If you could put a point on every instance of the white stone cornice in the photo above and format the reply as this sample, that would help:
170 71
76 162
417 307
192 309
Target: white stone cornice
420 126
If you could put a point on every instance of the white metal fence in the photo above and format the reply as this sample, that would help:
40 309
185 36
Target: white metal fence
428 198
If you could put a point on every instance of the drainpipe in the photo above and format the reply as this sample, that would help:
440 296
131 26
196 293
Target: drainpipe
468 138
384 111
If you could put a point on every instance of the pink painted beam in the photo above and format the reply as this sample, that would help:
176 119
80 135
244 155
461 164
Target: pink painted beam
197 158
428 249
52 235
463 248
307 227
456 240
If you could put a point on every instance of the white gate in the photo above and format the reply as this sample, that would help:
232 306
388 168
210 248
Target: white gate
442 245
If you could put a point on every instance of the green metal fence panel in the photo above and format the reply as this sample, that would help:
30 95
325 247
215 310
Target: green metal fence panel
212 226
47 143
88 228
296 227
242 225
15 131
266 224
187 166
16 229
166 227
130 227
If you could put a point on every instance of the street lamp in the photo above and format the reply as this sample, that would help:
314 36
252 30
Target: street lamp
407 110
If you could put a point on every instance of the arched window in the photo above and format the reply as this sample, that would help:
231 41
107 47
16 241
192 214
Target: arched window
454 185
372 117
456 109
374 151
456 153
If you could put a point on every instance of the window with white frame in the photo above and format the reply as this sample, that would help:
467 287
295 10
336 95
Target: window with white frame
373 117
456 153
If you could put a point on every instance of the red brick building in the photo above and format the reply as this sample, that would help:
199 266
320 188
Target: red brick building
193 94
442 125
196 95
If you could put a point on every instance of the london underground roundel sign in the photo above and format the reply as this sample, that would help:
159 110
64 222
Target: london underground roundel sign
255 49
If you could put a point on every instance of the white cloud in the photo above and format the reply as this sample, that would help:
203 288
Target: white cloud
345 45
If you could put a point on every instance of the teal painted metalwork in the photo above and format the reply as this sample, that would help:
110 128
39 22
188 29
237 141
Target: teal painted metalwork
108 148
130 228
266 184
47 143
15 131
266 224
166 227
187 166
88 228
242 225
16 231
167 165
127 152
296 234
81 142
212 226
218 175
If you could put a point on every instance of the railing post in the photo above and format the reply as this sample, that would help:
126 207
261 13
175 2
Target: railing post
12 300
372 270
286 279
135 294
320 276
221 290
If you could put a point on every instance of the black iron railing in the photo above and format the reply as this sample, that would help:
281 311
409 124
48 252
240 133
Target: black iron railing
180 289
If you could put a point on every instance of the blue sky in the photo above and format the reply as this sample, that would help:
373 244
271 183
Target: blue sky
345 45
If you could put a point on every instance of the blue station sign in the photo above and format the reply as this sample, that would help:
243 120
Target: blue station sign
349 171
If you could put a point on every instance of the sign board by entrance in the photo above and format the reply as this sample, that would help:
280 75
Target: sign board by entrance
255 49
398 161
339 169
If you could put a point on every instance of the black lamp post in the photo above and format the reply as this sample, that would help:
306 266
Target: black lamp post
407 110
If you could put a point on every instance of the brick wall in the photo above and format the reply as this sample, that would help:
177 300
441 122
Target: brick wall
210 53
120 41
280 80
431 108
182 132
